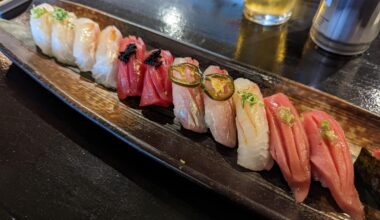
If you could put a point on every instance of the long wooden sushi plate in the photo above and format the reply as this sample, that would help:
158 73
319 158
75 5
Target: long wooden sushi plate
154 132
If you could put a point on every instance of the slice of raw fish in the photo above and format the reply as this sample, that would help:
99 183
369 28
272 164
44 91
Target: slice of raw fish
376 154
106 67
288 144
40 25
131 75
157 88
62 36
220 115
188 103
331 161
252 126
85 42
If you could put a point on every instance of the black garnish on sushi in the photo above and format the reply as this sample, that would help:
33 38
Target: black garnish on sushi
129 50
153 59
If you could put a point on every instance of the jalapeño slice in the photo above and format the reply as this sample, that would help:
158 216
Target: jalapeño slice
185 74
218 86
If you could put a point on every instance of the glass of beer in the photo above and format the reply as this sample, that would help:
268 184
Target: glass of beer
268 12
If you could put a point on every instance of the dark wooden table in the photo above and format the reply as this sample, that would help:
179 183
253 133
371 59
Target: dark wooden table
55 164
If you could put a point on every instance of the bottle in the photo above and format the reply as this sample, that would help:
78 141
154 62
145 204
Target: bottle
346 27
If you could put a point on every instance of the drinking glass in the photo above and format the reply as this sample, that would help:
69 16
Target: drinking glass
268 12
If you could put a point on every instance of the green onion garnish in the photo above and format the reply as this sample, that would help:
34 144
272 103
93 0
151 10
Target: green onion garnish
248 97
286 115
37 12
60 14
326 131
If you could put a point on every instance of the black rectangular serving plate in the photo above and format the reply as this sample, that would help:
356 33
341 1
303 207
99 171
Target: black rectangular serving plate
154 132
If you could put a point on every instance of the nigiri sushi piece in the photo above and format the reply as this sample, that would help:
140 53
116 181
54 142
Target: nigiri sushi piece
40 25
157 89
105 68
288 144
130 74
252 126
188 103
331 161
85 42
220 115
62 35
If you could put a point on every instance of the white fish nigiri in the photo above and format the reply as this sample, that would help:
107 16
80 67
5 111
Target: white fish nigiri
106 67
220 115
188 103
85 42
62 36
252 126
40 25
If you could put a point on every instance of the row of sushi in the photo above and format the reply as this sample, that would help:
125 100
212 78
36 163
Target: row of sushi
266 129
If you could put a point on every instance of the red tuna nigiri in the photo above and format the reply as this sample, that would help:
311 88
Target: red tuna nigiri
331 161
157 85
130 75
288 144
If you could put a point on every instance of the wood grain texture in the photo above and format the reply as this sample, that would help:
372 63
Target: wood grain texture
153 130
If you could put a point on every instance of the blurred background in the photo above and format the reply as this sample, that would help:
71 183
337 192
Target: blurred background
220 27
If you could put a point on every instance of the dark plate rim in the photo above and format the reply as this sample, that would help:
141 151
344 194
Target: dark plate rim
150 151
